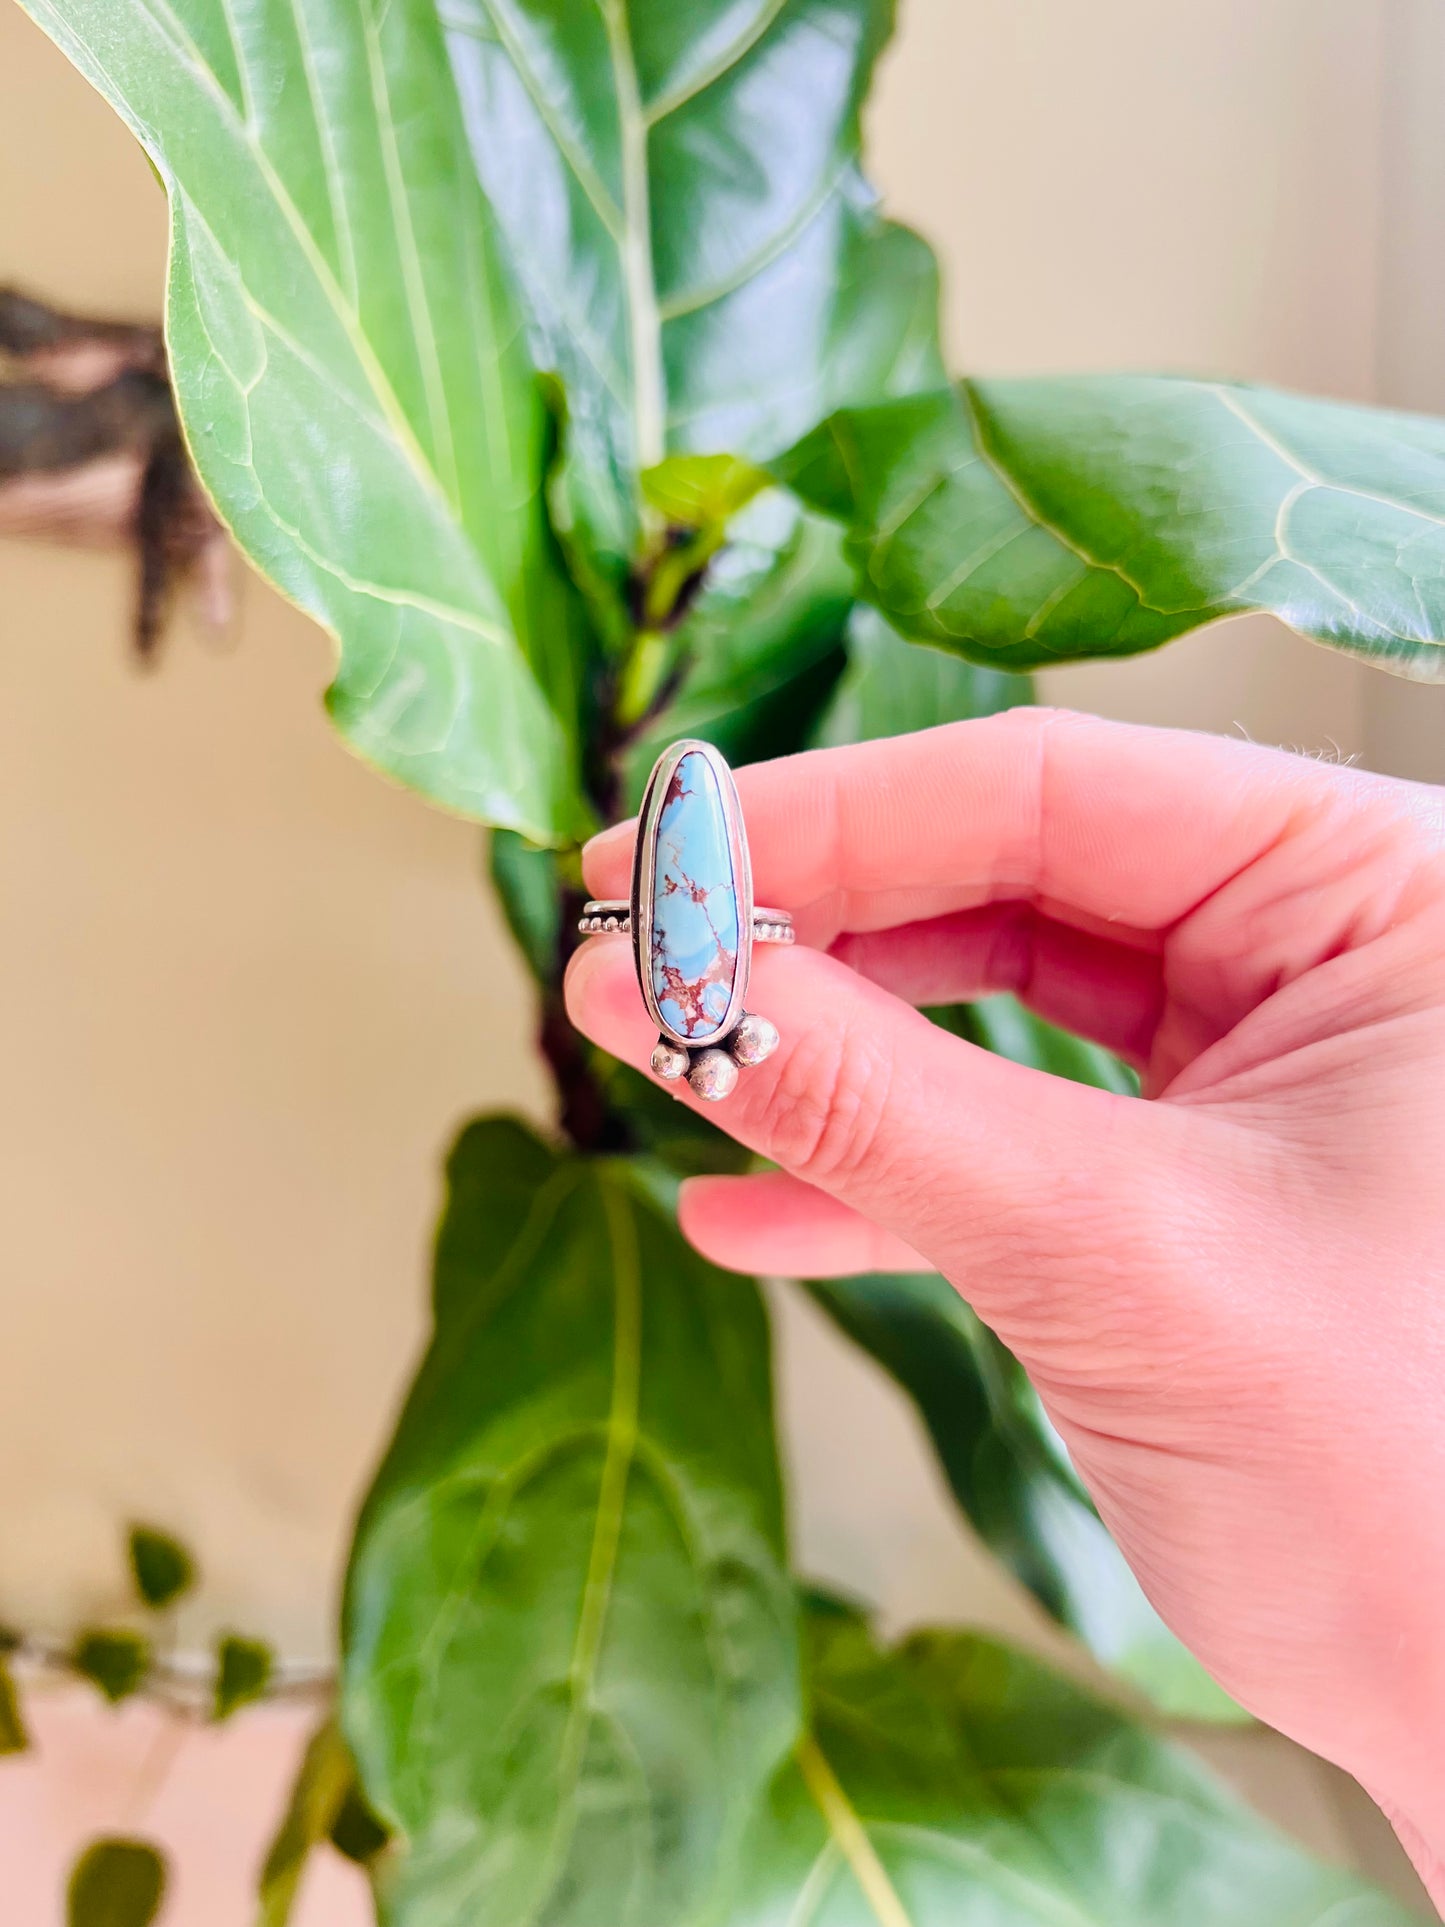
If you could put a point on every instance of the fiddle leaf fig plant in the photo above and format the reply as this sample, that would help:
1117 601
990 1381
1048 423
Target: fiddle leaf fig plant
559 360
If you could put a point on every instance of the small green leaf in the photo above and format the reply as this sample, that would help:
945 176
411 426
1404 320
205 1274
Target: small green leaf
243 1672
162 1568
323 1782
702 491
569 1630
114 1659
13 1735
356 1832
116 1883
1036 521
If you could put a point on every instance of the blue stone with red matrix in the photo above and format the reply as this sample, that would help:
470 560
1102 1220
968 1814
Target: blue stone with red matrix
694 958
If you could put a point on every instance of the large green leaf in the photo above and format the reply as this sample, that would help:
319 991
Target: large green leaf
1031 521
350 372
700 258
571 1658
953 1782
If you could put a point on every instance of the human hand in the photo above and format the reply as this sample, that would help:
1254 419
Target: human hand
1231 1298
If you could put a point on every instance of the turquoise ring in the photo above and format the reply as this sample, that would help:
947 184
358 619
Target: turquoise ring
693 922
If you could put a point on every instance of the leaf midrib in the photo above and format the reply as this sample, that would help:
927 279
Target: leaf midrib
621 1447
649 394
849 1835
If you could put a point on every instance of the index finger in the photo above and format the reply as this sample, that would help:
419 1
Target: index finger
1104 825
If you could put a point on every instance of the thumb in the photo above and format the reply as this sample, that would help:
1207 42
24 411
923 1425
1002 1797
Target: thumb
1003 1177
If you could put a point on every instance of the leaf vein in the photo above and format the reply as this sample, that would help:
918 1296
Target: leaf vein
730 57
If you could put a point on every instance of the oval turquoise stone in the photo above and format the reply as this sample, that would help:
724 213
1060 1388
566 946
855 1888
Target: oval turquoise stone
694 957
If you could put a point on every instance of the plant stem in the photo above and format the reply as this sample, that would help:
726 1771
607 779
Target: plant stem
637 690
187 1692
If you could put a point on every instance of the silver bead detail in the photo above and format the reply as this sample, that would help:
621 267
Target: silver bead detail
713 1075
669 1060
753 1040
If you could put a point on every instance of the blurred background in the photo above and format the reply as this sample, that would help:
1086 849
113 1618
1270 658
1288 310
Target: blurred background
248 990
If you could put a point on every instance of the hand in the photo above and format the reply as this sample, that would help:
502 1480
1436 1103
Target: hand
1232 1297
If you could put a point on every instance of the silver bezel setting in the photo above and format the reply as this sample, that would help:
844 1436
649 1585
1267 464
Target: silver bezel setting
644 873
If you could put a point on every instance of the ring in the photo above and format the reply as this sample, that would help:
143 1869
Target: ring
693 922
613 915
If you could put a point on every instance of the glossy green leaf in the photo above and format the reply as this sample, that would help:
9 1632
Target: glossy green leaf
701 261
116 1883
113 1659
1032 521
324 1781
160 1566
243 1673
1004 1026
892 687
570 1646
761 649
14 1738
954 1782
350 372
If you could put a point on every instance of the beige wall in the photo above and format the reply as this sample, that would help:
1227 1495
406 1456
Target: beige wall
247 989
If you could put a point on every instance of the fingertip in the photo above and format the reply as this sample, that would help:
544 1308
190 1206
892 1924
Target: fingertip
600 991
607 860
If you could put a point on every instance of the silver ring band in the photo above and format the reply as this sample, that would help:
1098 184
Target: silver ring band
614 914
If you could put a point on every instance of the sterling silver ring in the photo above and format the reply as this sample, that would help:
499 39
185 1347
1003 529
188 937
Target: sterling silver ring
693 922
